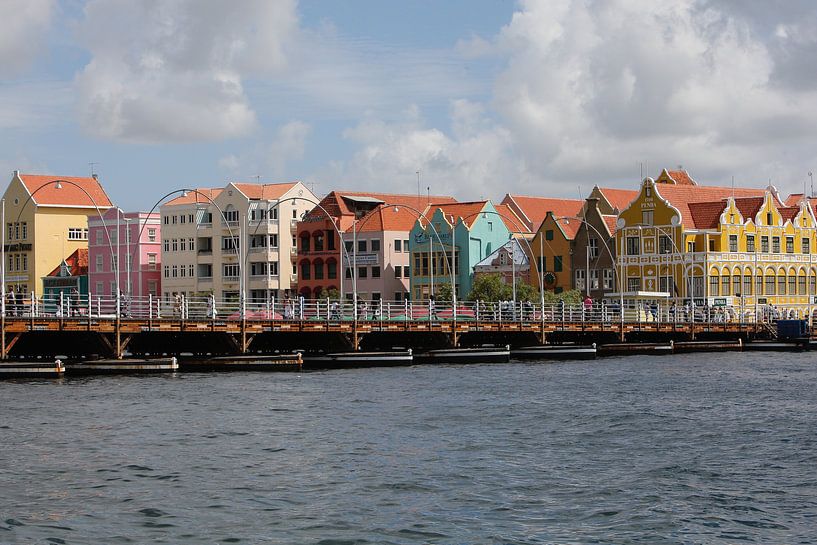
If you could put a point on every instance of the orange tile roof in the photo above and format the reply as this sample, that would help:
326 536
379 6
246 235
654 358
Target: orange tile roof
536 208
512 221
748 206
789 212
336 206
618 198
46 193
77 262
385 218
681 177
706 215
680 196
569 226
793 199
610 223
264 191
468 211
196 196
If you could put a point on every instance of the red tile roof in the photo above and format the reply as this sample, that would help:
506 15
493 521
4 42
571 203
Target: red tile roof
512 221
618 198
570 226
264 191
386 218
610 222
536 208
681 196
748 206
793 199
468 211
681 177
46 193
336 206
198 196
706 215
789 212
77 262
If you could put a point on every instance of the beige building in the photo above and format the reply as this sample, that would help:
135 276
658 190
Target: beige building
252 249
46 220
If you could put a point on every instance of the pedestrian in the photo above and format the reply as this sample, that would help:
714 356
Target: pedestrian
432 308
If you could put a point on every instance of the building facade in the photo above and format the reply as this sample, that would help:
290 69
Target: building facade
133 240
240 238
381 249
551 247
468 232
722 247
510 261
593 256
46 221
65 289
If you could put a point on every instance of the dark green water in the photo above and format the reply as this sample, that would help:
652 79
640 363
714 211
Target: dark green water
686 449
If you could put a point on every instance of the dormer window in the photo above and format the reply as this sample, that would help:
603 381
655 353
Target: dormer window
768 218
648 191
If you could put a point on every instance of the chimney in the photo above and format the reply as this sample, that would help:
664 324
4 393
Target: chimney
95 176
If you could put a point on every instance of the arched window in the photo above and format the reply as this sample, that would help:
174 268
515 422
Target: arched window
305 242
305 270
317 265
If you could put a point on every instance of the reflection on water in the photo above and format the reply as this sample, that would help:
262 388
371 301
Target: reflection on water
685 449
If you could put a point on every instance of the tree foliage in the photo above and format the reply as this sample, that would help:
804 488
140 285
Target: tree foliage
490 287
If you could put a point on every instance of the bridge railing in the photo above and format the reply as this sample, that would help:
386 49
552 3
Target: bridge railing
85 306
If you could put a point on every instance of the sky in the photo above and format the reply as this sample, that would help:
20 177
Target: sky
482 97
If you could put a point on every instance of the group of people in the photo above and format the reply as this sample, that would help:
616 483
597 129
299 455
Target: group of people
14 302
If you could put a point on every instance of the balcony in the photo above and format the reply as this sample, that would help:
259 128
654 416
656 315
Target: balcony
293 278
206 251
293 225
229 251
230 279
207 225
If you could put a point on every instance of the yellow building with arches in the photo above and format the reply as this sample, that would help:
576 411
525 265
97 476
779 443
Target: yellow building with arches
723 247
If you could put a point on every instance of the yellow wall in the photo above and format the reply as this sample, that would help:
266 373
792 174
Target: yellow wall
47 232
559 246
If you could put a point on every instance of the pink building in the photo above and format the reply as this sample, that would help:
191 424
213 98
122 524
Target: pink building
135 242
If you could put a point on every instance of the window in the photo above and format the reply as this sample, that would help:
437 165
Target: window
806 245
490 226
152 262
549 234
306 272
398 246
775 245
273 212
633 246
151 234
781 285
182 219
664 245
77 233
768 218
362 272
98 237
713 286
152 288
318 270
759 285
165 220
258 269
167 271
331 270
191 244
812 285
100 287
607 278
273 241
647 217
406 272
634 284
230 270
770 286
557 263
764 244
725 284
114 263
174 269
593 244
183 271
100 263
25 262
736 284
733 243
231 216
361 245
174 220
182 245
398 271
750 243
376 245
348 272
190 219
789 245
792 284
747 285
319 242
348 245
175 244
375 272
690 246
594 279
580 279
405 245
167 245
801 285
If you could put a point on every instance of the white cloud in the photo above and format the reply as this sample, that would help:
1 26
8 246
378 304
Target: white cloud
175 70
271 160
26 21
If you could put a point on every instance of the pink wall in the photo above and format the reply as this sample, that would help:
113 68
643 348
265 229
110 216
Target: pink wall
142 272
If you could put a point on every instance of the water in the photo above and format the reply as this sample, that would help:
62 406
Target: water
687 449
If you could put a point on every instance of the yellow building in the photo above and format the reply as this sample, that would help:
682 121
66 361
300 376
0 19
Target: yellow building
45 222
725 247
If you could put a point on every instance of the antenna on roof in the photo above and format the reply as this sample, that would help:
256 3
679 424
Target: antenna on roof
418 185
257 178
811 176
641 173
733 187
93 171
428 194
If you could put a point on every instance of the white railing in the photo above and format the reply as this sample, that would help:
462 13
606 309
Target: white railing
66 306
